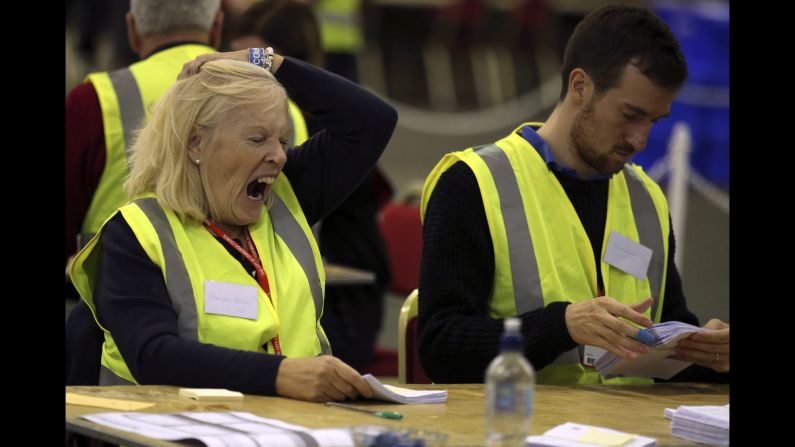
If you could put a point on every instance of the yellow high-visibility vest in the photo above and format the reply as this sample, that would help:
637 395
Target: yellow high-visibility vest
189 256
126 98
541 251
340 25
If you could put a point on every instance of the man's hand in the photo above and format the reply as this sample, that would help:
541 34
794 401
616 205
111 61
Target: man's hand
595 322
320 379
710 349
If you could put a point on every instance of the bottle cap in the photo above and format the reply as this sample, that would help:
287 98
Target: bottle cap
513 325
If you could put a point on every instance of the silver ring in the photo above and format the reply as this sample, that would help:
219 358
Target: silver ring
717 357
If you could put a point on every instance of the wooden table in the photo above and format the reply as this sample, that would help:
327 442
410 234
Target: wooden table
629 408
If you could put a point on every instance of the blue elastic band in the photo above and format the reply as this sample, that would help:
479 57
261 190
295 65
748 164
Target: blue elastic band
645 337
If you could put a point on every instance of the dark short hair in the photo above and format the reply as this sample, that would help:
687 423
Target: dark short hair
290 27
607 39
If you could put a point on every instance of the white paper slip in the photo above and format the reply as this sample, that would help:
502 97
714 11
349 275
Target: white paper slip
656 363
579 435
627 255
400 395
234 300
714 415
707 424
210 394
223 429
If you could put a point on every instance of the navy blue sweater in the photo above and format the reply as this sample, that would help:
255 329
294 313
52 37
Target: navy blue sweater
131 297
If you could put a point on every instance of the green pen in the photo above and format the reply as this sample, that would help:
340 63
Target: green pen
381 414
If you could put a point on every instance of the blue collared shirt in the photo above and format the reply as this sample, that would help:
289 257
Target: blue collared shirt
529 133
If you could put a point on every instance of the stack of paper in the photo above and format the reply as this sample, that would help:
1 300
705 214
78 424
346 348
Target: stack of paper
579 435
707 424
400 395
655 363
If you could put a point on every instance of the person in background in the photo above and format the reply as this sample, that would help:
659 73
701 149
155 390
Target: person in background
101 117
287 25
555 225
290 29
103 112
341 35
349 235
221 213
100 32
339 25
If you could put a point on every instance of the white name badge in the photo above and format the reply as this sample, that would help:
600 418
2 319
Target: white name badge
591 354
234 300
627 255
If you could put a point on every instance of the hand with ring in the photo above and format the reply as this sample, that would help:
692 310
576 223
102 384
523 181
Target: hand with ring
709 348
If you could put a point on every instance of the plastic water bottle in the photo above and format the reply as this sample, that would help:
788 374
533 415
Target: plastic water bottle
510 383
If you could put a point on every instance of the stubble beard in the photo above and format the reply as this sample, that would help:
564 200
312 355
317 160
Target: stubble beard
582 131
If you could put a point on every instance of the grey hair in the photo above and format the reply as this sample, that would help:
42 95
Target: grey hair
154 17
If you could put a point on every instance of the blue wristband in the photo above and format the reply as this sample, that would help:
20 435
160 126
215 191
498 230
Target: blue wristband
256 56
261 57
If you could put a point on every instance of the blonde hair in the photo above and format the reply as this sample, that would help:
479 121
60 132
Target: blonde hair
159 162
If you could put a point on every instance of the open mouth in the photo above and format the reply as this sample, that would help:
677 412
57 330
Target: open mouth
257 188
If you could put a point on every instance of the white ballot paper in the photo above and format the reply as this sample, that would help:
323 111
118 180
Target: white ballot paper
400 395
222 429
707 424
655 363
580 435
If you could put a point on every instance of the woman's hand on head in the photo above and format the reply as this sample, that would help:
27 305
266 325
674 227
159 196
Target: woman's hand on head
320 379
192 67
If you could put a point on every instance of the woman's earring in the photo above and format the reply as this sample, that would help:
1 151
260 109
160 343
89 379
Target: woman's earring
198 161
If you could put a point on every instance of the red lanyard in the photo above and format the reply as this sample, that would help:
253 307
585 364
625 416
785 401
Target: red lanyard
253 257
